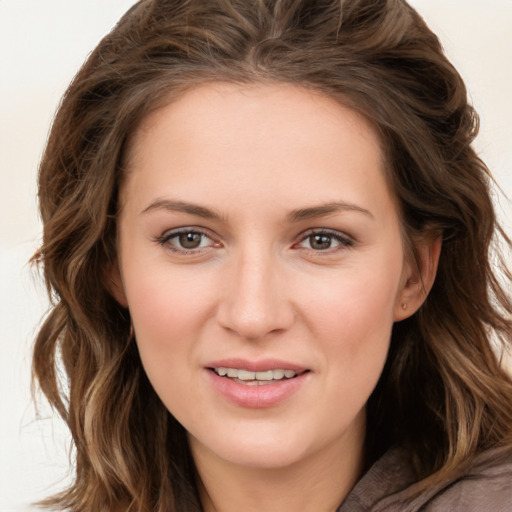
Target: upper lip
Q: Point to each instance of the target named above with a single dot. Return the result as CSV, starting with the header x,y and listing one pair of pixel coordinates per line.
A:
x,y
260,365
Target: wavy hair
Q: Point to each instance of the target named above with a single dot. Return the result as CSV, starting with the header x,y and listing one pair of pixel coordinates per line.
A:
x,y
443,393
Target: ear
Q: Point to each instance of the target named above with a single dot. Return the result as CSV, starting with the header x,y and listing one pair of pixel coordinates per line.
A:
x,y
419,275
114,284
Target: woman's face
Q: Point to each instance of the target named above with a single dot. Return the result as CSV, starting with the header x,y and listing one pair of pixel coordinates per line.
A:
x,y
258,240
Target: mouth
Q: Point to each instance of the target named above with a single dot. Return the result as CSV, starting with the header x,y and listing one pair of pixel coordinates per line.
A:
x,y
257,384
259,378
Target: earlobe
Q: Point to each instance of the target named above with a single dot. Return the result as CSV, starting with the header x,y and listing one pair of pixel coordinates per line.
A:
x,y
419,278
114,284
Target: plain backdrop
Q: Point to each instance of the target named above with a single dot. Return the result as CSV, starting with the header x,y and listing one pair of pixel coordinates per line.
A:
x,y
42,44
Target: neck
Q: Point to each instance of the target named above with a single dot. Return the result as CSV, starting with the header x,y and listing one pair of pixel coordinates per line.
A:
x,y
317,483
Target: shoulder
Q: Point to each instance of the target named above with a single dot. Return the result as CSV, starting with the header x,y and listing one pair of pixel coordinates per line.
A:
x,y
390,486
486,487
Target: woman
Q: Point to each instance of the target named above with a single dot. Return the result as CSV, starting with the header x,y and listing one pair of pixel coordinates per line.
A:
x,y
268,241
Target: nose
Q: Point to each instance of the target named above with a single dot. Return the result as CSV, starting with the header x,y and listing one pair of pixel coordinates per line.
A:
x,y
256,299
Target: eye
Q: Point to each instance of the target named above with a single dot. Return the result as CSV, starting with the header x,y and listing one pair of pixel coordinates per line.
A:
x,y
189,240
186,240
325,241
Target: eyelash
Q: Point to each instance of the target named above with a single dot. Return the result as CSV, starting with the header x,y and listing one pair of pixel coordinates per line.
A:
x,y
165,238
343,240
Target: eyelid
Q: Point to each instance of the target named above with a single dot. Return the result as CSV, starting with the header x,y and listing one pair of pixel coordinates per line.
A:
x,y
346,241
168,235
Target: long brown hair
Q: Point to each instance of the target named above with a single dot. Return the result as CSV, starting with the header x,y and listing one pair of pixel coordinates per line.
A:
x,y
443,393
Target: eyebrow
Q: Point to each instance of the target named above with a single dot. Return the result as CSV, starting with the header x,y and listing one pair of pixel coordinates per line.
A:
x,y
294,216
325,209
181,206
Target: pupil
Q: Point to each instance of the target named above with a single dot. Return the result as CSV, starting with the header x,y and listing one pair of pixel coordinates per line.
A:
x,y
190,240
321,242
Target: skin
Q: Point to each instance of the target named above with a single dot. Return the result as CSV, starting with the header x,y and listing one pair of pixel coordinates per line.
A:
x,y
261,159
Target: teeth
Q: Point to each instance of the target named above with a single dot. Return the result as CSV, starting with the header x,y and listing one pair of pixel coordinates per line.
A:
x,y
246,375
268,375
243,374
279,374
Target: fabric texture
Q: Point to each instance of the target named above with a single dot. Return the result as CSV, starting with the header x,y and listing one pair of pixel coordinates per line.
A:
x,y
389,486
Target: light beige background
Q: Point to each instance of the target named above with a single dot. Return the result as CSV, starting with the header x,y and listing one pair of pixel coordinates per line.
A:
x,y
42,44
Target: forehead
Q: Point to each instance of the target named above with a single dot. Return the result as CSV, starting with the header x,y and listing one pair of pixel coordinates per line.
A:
x,y
254,139
265,110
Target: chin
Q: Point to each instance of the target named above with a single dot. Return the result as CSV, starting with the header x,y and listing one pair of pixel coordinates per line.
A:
x,y
266,455
261,448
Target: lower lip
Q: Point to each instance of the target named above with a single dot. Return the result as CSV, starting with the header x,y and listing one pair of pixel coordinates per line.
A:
x,y
259,396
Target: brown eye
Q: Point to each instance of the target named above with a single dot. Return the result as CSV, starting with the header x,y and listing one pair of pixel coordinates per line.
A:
x,y
320,242
190,240
326,241
186,241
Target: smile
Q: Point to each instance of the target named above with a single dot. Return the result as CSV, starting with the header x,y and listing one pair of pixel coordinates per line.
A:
x,y
254,378
257,389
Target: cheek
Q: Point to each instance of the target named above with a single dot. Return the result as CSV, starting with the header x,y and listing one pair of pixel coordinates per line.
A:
x,y
358,302
166,299
168,311
353,316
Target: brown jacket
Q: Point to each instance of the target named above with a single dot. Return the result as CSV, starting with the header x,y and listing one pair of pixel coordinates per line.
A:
x,y
389,486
